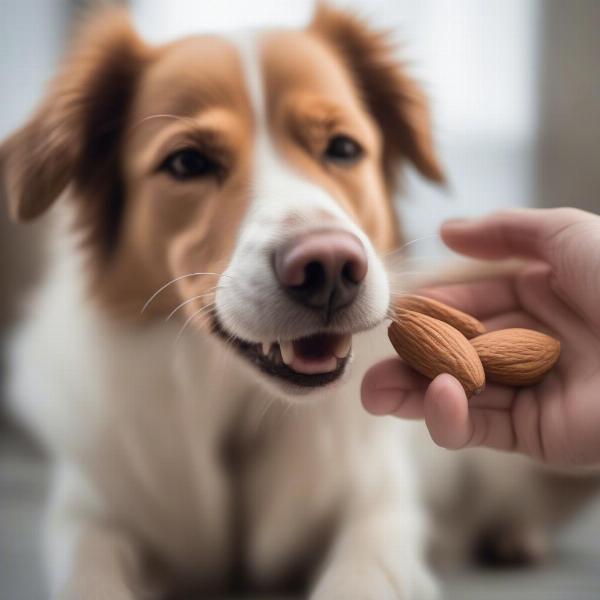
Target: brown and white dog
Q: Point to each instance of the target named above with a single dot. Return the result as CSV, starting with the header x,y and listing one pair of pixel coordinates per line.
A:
x,y
194,358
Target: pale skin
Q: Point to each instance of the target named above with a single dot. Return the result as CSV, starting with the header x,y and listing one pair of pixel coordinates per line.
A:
x,y
556,291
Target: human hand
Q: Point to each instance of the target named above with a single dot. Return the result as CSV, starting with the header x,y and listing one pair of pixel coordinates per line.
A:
x,y
558,292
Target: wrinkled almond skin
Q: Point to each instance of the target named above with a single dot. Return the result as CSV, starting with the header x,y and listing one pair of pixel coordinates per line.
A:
x,y
516,356
432,347
469,326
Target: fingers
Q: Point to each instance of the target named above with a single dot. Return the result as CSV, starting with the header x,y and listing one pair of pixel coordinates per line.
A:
x,y
453,424
525,300
517,318
391,387
482,299
530,233
446,412
538,298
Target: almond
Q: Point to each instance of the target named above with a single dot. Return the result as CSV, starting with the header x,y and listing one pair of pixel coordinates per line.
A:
x,y
469,326
432,347
516,356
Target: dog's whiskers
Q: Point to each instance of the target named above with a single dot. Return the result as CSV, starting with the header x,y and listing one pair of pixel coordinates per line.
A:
x,y
205,311
210,291
184,119
175,280
290,407
409,259
263,413
223,355
409,243
403,273
228,342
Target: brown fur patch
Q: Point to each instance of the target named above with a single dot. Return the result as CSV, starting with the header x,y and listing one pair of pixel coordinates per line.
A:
x,y
74,132
95,131
193,96
393,98
311,98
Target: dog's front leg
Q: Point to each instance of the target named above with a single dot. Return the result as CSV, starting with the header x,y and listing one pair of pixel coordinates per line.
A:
x,y
87,556
100,563
378,555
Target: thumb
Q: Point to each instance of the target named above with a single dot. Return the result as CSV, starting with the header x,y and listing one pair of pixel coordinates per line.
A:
x,y
527,233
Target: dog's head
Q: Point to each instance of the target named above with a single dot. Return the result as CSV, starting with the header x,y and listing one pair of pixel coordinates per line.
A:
x,y
251,173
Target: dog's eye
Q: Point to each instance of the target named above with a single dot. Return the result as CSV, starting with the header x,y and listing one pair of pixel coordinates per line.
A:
x,y
343,149
189,163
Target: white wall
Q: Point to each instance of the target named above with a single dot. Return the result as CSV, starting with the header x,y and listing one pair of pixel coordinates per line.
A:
x,y
161,21
31,35
569,141
31,38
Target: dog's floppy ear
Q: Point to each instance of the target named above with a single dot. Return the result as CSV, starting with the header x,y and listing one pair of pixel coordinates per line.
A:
x,y
393,98
72,134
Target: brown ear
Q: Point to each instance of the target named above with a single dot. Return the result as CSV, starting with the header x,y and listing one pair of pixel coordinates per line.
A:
x,y
395,100
72,134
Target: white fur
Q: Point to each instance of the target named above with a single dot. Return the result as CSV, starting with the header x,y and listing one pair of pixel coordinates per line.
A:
x,y
278,193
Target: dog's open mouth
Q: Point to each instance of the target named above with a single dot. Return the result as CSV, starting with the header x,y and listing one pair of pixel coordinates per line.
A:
x,y
311,361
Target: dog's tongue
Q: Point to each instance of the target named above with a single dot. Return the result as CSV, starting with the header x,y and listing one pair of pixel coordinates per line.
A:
x,y
315,354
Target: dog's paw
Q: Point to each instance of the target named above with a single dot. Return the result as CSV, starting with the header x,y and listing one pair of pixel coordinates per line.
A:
x,y
356,581
512,546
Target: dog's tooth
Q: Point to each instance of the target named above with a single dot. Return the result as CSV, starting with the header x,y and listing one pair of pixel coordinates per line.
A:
x,y
343,346
287,352
266,348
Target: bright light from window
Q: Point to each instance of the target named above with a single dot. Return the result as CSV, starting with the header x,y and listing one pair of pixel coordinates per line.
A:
x,y
162,21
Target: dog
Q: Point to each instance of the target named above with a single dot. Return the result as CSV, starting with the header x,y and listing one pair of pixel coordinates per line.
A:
x,y
215,292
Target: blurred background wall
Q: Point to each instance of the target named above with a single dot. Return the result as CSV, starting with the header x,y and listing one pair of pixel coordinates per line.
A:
x,y
514,85
568,132
32,33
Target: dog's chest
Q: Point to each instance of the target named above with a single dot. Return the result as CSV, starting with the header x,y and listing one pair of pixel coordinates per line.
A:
x,y
146,420
159,459
269,505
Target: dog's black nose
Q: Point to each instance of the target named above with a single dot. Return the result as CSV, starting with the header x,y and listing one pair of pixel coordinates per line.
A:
x,y
322,270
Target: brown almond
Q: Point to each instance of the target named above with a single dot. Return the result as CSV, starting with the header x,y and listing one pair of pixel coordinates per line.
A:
x,y
469,326
432,347
516,356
